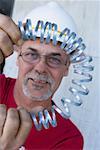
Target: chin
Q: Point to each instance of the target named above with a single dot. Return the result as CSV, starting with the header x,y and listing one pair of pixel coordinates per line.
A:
x,y
37,95
37,91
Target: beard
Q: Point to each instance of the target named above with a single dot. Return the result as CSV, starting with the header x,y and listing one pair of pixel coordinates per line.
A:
x,y
38,87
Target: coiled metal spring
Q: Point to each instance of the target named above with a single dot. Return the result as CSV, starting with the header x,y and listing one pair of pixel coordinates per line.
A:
x,y
44,119
49,31
82,69
74,47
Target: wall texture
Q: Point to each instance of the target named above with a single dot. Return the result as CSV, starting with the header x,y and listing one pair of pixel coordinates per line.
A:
x,y
86,13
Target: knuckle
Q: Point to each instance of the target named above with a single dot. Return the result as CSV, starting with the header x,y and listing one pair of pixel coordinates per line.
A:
x,y
12,110
2,110
2,116
13,115
16,38
3,37
25,117
13,119
5,44
10,27
2,105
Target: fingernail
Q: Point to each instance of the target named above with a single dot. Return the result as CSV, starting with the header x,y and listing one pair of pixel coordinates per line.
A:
x,y
20,107
20,42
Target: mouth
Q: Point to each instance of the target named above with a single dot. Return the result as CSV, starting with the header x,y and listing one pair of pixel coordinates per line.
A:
x,y
37,88
38,83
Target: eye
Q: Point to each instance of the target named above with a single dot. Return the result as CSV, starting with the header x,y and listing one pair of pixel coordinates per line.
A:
x,y
54,60
31,55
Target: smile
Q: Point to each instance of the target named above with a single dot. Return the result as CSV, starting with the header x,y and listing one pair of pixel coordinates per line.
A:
x,y
38,83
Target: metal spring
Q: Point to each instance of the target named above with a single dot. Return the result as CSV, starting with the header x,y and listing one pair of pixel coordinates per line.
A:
x,y
82,69
49,31
44,119
74,47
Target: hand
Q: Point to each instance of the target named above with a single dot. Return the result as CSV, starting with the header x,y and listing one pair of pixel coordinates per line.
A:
x,y
15,125
9,35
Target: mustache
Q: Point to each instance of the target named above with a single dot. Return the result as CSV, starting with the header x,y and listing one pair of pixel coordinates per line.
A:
x,y
39,77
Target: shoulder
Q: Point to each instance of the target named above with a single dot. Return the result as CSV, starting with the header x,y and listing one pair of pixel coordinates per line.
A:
x,y
4,80
2,76
6,84
71,134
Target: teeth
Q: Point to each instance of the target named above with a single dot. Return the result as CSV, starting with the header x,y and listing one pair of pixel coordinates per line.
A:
x,y
40,81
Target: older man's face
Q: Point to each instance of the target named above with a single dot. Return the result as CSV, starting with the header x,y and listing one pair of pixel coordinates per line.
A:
x,y
41,69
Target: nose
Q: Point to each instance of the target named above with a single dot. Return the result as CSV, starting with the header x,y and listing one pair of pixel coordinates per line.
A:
x,y
41,67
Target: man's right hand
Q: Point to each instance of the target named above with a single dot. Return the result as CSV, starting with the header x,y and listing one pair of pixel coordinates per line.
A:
x,y
9,35
15,125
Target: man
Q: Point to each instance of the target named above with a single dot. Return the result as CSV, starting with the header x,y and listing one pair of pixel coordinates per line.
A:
x,y
41,69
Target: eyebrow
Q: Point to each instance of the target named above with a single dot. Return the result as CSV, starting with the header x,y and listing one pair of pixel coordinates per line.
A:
x,y
52,53
32,49
55,54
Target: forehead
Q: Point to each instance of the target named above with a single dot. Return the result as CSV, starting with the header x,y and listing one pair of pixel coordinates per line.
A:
x,y
43,47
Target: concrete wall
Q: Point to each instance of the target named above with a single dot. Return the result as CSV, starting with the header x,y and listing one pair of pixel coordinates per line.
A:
x,y
87,16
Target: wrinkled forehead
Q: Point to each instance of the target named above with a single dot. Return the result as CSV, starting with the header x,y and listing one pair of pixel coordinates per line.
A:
x,y
42,48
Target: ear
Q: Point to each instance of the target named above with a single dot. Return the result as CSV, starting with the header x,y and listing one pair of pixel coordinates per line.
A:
x,y
66,72
67,69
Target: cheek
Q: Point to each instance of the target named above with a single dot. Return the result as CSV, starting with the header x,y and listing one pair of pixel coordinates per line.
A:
x,y
57,76
24,68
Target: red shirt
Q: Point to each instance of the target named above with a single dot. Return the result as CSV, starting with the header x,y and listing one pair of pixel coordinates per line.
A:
x,y
65,136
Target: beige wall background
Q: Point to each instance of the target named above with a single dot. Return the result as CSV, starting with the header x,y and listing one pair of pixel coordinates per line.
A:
x,y
86,14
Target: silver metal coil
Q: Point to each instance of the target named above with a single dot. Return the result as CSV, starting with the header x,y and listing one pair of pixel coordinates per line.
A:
x,y
73,46
82,69
49,31
44,119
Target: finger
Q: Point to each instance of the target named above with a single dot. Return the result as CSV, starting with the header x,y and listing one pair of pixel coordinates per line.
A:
x,y
11,125
2,117
1,57
5,44
25,127
7,24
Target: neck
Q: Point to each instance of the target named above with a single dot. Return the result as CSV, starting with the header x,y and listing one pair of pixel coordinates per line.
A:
x,y
29,105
